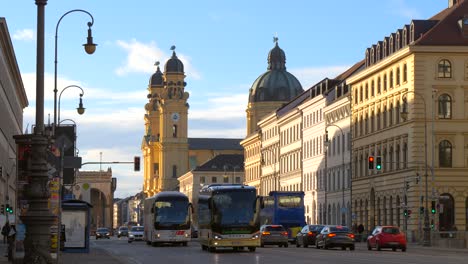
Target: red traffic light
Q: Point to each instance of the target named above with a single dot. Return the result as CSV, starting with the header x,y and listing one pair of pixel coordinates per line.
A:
x,y
371,162
136,163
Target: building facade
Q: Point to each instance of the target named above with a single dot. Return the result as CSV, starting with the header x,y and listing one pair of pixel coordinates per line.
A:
x,y
13,100
405,110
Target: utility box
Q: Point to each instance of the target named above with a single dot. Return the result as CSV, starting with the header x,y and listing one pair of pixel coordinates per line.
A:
x,y
76,219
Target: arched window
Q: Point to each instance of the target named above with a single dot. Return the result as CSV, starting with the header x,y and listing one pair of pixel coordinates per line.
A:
x,y
397,114
447,216
397,157
390,155
174,171
356,127
405,156
398,76
390,115
372,122
385,82
411,36
372,91
367,91
379,84
445,154
385,48
445,106
391,79
444,69
174,130
361,126
384,113
361,94
356,96
405,73
366,124
378,119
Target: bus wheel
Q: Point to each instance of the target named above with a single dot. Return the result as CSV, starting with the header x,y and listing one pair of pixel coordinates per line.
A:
x,y
252,249
203,247
212,249
148,242
154,244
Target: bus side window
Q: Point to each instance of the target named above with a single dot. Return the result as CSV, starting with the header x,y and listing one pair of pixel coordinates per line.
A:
x,y
152,210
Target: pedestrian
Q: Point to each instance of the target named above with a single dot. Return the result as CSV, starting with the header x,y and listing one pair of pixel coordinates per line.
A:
x,y
360,230
11,242
5,231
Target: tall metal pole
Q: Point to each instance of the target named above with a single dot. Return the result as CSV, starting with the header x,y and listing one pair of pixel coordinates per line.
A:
x,y
427,228
38,218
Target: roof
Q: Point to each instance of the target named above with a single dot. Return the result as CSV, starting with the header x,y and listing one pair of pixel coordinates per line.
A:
x,y
223,162
353,69
215,143
446,31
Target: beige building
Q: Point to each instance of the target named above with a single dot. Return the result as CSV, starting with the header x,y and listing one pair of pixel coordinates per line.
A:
x,y
13,100
420,70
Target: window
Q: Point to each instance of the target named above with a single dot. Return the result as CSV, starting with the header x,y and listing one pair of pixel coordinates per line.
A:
x,y
445,154
356,96
174,130
361,95
391,79
445,106
385,82
444,69
384,113
174,171
214,180
202,179
405,73
372,88
378,120
372,128
390,115
225,179
367,91
405,156
397,114
379,83
238,180
398,76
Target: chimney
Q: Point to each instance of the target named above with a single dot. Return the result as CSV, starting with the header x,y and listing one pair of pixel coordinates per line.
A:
x,y
452,3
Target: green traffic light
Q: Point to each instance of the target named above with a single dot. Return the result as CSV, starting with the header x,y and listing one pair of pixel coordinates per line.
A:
x,y
433,211
378,167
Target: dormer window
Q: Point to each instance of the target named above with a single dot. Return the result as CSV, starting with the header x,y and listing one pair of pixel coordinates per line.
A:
x,y
404,41
391,45
397,42
411,36
463,24
444,69
378,53
385,48
372,58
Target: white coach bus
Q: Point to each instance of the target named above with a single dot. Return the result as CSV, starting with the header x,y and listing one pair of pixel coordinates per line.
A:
x,y
167,219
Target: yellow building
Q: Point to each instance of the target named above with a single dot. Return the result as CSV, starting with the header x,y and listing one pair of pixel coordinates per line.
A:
x,y
420,71
167,151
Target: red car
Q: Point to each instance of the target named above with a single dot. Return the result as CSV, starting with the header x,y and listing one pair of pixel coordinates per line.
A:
x,y
387,237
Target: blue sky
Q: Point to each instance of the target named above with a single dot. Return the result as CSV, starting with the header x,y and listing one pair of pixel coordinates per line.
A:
x,y
224,47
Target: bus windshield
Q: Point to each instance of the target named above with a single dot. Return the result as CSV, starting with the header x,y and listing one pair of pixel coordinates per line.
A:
x,y
171,214
234,208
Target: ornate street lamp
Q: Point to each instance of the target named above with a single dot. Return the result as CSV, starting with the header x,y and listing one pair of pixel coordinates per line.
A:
x,y
90,48
80,109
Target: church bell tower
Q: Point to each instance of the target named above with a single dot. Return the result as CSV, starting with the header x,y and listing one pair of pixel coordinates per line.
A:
x,y
165,145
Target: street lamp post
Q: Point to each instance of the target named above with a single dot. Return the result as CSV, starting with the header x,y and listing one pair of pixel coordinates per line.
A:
x,y
89,47
343,215
80,109
404,115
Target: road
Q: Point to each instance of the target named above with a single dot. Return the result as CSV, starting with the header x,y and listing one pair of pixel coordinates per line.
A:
x,y
140,253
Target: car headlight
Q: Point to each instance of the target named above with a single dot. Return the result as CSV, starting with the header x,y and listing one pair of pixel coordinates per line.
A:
x,y
217,237
255,236
130,235
108,234
158,235
186,235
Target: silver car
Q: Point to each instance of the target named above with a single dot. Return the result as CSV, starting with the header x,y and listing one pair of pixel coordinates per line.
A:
x,y
273,235
136,233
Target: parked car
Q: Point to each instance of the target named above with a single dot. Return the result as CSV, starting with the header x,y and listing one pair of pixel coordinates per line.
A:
x,y
136,233
273,235
123,231
335,236
307,235
387,237
102,232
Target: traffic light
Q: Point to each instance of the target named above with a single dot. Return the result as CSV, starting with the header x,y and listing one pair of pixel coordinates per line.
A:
x,y
378,160
9,209
409,213
432,224
405,212
136,163
433,207
371,162
2,211
421,210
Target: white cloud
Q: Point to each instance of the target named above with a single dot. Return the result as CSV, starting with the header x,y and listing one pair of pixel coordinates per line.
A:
x,y
221,108
24,34
221,133
142,57
401,8
311,75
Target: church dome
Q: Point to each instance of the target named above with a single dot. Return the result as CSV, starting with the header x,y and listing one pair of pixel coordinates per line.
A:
x,y
276,84
174,64
156,79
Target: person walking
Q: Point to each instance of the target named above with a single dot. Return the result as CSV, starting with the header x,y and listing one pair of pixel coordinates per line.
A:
x,y
11,242
5,231
360,231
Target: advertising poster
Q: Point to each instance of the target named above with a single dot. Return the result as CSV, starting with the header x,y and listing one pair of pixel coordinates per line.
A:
x,y
75,227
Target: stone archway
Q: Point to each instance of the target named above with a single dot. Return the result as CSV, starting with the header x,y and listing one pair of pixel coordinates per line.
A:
x,y
446,212
97,188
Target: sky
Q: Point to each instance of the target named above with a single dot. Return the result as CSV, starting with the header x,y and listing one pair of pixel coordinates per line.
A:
x,y
223,44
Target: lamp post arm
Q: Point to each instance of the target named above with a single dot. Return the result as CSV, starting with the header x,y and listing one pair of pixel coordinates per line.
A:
x,y
60,96
55,57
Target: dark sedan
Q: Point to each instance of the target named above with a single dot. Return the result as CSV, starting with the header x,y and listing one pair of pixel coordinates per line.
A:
x,y
335,236
307,235
103,232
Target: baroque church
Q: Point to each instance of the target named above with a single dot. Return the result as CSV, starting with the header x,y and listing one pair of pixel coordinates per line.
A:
x,y
167,151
